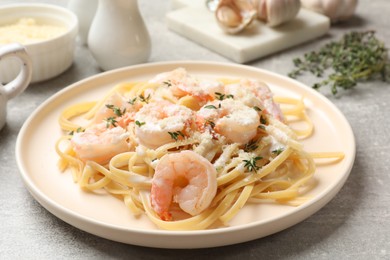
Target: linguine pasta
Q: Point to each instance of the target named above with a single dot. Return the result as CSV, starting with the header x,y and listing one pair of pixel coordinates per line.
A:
x,y
125,144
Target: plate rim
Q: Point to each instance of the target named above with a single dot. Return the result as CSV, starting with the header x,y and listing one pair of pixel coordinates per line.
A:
x,y
99,228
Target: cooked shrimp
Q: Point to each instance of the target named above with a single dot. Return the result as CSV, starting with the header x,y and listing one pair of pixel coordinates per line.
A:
x,y
155,122
230,118
182,84
248,91
99,143
185,178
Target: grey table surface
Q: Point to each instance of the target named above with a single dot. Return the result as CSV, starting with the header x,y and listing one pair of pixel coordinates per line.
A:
x,y
354,225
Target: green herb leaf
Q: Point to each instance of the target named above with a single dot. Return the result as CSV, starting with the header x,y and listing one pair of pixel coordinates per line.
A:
x,y
111,121
210,107
168,83
251,146
278,151
144,99
257,108
251,164
132,101
117,111
357,57
139,124
221,96
175,135
263,120
78,130
210,123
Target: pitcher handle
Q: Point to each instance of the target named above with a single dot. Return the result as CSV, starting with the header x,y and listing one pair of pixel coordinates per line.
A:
x,y
20,83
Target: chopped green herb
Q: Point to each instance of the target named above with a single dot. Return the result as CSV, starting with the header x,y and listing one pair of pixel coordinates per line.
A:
x,y
117,110
210,107
132,101
168,83
139,124
251,146
210,123
221,96
278,151
78,130
111,121
175,135
357,57
257,108
144,99
263,120
251,164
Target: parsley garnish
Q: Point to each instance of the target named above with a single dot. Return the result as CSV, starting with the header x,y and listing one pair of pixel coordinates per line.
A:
x,y
257,108
175,135
251,164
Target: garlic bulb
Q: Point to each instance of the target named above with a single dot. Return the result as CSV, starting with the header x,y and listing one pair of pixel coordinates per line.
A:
x,y
276,12
336,10
234,15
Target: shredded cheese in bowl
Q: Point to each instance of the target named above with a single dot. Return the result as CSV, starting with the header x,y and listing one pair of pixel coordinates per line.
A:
x,y
28,30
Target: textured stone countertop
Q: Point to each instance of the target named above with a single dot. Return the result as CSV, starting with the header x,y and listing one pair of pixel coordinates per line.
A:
x,y
355,224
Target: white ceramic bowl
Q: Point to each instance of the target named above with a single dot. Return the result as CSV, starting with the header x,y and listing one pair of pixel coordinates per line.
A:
x,y
50,57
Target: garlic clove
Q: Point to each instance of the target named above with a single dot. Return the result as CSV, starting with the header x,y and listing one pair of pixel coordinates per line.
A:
x,y
277,12
233,16
336,10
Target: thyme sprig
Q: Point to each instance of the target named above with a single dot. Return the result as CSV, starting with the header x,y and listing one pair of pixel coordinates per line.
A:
x,y
278,151
221,96
117,111
111,121
144,99
78,130
132,101
251,146
167,83
175,135
356,57
251,164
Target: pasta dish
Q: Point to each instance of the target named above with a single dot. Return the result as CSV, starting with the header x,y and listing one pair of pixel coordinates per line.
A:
x,y
189,152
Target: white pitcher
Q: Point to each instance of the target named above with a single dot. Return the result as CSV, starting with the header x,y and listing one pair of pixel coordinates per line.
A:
x,y
17,85
118,36
85,11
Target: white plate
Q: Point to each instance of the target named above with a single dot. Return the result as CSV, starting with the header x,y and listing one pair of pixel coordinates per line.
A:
x,y
108,217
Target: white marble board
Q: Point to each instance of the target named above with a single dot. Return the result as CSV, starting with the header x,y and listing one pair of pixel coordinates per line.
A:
x,y
194,21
